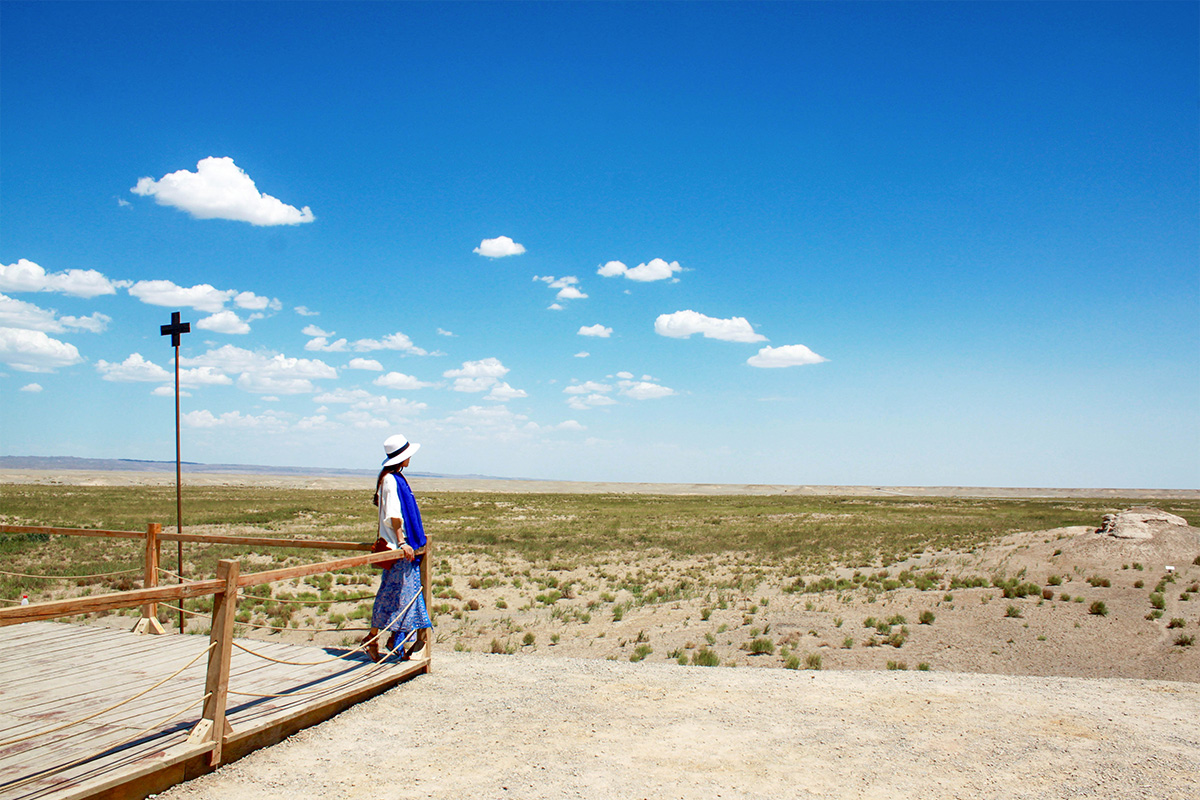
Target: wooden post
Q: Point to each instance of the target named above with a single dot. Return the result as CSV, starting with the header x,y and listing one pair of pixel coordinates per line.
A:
x,y
149,622
424,636
221,637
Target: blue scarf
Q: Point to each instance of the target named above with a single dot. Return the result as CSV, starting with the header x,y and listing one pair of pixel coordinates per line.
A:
x,y
414,530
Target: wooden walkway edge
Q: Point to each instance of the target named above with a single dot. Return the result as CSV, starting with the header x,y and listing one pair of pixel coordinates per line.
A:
x,y
52,674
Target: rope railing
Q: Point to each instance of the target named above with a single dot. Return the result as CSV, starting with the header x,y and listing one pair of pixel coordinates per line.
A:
x,y
70,577
278,628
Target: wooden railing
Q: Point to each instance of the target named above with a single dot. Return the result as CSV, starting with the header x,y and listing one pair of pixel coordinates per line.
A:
x,y
224,588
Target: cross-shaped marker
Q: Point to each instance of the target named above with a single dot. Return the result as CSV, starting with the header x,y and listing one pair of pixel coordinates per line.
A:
x,y
175,328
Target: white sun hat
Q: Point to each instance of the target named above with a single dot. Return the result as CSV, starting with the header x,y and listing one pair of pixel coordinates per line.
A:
x,y
397,448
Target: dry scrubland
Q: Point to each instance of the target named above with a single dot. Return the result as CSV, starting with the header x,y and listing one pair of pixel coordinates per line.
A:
x,y
564,618
967,584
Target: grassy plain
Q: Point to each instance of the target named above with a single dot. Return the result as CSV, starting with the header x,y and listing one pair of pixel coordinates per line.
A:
x,y
762,580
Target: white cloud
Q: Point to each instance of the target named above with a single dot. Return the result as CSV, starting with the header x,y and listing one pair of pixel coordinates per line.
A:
x,y
477,376
34,351
494,423
93,323
499,247
568,286
394,341
253,302
625,375
304,312
201,297
554,307
168,390
683,324
644,390
789,355
502,392
441,332
313,330
31,387
585,402
654,270
233,419
365,363
16,313
134,368
570,425
612,269
219,189
26,276
400,381
596,330
582,354
587,387
224,322
323,345
265,373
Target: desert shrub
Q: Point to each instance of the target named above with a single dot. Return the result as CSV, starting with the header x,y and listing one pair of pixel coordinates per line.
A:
x,y
497,646
762,647
1047,593
1158,601
1012,588
1098,608
927,617
870,622
812,661
640,652
793,662
1099,580
705,658
1155,614
848,642
1054,580
529,639
473,604
897,619
897,665
1184,640
898,638
1012,611
1196,561
1064,597
1176,622
923,666
1139,583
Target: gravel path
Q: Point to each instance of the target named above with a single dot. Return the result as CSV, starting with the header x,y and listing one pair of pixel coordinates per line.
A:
x,y
494,726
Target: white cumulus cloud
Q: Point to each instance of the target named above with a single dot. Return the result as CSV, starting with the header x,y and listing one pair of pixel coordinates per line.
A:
x,y
31,387
26,276
477,376
323,345
220,189
365,363
683,324
595,330
234,419
305,312
224,322
587,387
394,341
656,269
134,368
400,381
201,297
502,392
789,355
499,247
34,351
264,372
644,390
253,302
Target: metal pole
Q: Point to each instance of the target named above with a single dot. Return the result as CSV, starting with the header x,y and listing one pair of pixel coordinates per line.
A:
x,y
178,493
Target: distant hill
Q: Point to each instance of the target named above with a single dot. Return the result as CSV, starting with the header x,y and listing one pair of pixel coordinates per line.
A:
x,y
137,465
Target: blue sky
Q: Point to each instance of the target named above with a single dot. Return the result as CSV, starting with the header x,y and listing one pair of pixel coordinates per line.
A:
x,y
893,244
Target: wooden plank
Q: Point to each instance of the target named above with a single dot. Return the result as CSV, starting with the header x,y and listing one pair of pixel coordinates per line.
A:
x,y
104,602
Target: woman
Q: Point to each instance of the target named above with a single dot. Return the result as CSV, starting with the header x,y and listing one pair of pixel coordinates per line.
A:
x,y
400,603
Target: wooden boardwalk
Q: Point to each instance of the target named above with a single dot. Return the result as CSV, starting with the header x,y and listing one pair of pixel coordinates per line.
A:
x,y
54,673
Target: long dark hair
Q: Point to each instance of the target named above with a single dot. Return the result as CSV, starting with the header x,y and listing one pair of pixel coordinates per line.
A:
x,y
379,480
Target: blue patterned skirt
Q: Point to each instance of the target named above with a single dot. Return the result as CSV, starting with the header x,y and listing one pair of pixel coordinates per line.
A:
x,y
400,584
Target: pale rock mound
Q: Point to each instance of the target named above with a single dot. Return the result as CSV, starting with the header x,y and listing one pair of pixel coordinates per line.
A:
x,y
1139,523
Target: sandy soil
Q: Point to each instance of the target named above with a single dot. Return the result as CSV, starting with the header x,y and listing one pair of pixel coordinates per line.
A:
x,y
484,726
